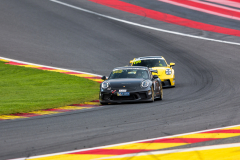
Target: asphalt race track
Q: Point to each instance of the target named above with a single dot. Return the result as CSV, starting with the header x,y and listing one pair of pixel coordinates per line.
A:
x,y
207,88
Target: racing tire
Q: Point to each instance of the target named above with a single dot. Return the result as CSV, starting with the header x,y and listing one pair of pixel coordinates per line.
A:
x,y
103,103
161,92
152,94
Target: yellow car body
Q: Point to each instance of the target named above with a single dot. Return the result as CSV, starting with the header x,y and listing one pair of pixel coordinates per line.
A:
x,y
165,71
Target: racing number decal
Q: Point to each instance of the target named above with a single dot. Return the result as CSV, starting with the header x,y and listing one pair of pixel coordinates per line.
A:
x,y
117,71
136,62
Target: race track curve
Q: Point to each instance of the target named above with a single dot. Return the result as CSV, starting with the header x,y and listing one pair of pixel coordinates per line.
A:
x,y
207,88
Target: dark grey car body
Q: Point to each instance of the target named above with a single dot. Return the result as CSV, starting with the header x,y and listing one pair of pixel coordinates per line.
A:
x,y
130,89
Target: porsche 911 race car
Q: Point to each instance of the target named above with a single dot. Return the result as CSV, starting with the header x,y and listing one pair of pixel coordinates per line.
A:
x,y
130,84
165,70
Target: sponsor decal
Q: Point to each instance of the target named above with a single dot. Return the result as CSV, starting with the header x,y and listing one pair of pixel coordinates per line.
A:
x,y
136,62
122,90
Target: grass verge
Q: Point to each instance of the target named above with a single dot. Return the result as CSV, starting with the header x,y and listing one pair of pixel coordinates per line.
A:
x,y
26,89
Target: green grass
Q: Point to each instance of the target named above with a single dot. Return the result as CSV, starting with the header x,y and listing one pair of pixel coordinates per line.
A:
x,y
26,89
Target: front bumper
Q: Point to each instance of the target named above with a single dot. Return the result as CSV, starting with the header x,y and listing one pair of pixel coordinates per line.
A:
x,y
168,82
141,96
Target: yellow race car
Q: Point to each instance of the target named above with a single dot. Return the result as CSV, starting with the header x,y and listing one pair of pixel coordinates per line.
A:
x,y
165,70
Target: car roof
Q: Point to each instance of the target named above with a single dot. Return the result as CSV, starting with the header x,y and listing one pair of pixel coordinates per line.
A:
x,y
132,67
149,57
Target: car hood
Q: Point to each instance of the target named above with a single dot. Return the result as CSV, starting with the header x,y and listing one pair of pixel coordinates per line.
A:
x,y
125,83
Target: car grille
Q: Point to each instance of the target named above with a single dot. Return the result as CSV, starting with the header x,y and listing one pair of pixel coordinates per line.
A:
x,y
133,96
106,96
143,95
166,83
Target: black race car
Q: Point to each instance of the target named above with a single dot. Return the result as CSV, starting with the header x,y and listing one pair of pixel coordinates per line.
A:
x,y
130,84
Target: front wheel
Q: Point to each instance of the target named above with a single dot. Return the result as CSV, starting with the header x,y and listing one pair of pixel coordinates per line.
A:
x,y
160,92
152,94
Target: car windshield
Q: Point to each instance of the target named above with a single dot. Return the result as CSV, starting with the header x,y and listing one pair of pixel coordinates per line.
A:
x,y
128,73
150,63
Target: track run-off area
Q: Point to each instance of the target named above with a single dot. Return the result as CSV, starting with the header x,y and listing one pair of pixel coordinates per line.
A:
x,y
198,119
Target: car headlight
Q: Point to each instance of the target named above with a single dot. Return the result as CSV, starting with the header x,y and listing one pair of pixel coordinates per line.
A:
x,y
105,85
144,84
168,71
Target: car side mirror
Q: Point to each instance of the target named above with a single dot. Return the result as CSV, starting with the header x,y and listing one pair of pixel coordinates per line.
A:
x,y
153,71
172,64
104,78
155,76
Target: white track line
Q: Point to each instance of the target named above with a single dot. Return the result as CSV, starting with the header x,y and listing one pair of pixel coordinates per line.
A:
x,y
143,26
49,66
158,138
